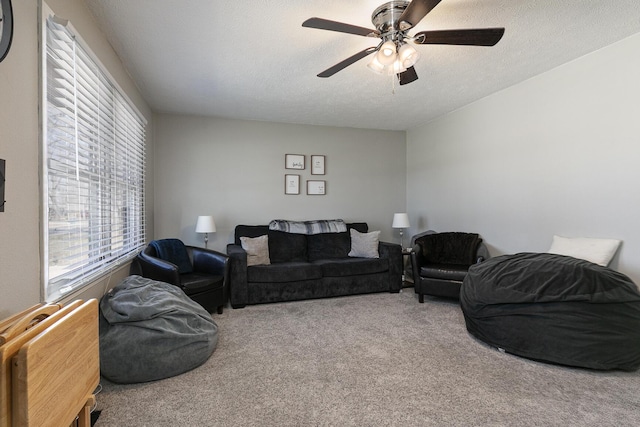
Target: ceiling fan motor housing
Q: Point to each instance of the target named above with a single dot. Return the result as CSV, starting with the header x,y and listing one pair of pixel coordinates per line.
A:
x,y
385,17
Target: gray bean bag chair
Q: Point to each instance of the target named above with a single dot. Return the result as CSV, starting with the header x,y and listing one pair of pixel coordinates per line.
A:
x,y
554,308
151,330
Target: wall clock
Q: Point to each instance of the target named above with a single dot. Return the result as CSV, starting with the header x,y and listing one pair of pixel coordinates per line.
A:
x,y
6,27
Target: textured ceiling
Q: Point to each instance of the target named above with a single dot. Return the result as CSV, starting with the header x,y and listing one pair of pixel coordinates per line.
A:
x,y
254,60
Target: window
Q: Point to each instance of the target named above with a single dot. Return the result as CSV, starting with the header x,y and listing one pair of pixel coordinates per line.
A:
x,y
93,166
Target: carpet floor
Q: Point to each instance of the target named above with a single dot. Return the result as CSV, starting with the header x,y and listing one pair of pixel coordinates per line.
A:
x,y
368,360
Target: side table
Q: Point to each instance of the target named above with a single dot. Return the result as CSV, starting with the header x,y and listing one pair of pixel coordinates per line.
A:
x,y
407,279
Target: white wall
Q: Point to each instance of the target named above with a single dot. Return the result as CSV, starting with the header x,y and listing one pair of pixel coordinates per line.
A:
x,y
234,170
557,154
20,252
19,223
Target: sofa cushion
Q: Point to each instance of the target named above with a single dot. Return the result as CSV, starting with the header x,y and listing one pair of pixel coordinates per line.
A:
x,y
283,272
287,247
332,245
328,246
352,266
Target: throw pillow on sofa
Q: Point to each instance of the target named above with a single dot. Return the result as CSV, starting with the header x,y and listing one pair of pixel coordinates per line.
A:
x,y
257,250
364,245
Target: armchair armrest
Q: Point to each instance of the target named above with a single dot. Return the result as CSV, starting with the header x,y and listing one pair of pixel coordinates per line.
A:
x,y
209,261
238,289
157,269
416,261
482,254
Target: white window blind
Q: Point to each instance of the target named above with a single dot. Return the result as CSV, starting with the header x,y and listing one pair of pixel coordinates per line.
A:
x,y
94,164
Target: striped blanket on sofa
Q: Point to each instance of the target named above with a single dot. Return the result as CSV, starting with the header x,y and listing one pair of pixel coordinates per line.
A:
x,y
309,227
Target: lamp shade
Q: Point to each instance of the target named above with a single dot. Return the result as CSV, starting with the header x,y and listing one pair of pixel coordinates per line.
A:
x,y
408,55
400,220
205,224
387,53
375,65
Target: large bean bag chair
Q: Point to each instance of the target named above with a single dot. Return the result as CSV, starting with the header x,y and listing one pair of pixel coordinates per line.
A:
x,y
151,330
554,308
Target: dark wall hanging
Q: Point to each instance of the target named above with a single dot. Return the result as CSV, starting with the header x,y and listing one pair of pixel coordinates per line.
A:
x,y
6,26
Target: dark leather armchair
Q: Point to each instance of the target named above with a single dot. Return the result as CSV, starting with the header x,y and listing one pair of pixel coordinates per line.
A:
x,y
440,262
202,274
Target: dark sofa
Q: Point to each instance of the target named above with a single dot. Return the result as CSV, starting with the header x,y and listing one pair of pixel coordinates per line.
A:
x,y
309,266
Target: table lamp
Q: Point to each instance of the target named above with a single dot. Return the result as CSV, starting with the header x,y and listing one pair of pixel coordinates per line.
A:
x,y
401,221
205,225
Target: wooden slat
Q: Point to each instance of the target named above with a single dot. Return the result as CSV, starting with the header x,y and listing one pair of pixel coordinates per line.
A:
x,y
55,372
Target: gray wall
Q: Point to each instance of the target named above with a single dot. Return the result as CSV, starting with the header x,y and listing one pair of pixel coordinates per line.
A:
x,y
234,170
20,252
557,154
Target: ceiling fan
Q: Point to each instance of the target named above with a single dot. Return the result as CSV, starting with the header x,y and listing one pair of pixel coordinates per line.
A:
x,y
395,53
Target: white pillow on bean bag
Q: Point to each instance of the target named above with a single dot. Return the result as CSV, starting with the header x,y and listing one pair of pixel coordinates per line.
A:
x,y
598,251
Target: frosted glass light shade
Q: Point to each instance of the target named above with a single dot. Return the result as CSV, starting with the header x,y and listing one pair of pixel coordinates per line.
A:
x,y
387,53
400,220
408,55
398,67
205,224
375,65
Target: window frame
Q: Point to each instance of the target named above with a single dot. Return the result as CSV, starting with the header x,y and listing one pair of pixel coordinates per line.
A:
x,y
120,199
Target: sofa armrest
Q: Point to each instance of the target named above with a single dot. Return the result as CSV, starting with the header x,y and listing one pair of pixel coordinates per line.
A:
x,y
238,289
393,252
158,269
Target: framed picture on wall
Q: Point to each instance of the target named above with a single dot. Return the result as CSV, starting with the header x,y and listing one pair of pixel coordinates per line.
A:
x,y
316,188
292,184
317,165
294,161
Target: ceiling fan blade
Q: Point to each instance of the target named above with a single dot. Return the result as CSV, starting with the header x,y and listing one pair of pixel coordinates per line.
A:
x,y
325,24
344,64
470,37
408,76
414,13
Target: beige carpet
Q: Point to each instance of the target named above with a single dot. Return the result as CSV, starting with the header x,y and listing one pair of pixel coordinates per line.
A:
x,y
370,360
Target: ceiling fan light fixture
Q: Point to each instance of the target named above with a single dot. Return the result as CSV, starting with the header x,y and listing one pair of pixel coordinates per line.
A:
x,y
387,53
375,65
398,67
408,55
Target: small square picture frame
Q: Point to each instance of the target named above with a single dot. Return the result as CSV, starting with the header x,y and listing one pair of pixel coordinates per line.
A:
x,y
317,164
291,184
294,161
316,187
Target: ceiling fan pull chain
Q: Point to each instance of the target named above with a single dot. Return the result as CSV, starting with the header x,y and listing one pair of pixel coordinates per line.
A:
x,y
393,83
